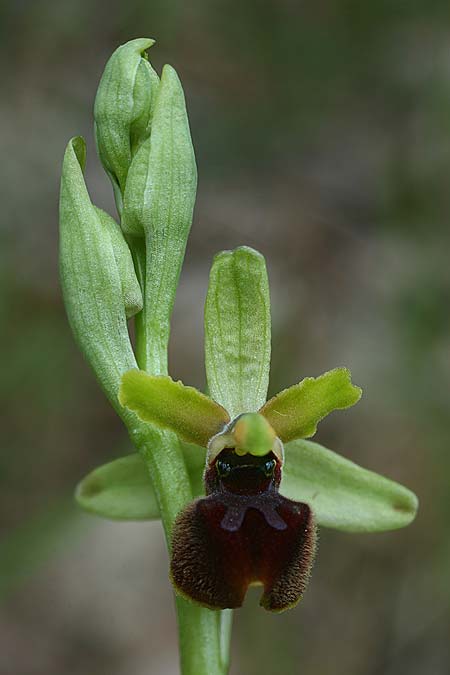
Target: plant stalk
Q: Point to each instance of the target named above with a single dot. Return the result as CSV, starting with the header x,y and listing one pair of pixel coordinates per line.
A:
x,y
204,635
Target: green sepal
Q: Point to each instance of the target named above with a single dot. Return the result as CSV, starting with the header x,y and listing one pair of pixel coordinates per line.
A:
x,y
343,495
90,279
123,108
131,291
237,330
295,412
194,417
122,489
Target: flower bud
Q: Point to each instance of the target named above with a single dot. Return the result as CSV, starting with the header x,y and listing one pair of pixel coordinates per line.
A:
x,y
162,181
123,110
131,291
158,206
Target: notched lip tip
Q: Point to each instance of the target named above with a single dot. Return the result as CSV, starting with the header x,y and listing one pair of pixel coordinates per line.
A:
x,y
197,603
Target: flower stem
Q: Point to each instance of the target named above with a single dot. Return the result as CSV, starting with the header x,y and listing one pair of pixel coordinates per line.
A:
x,y
200,640
226,625
204,635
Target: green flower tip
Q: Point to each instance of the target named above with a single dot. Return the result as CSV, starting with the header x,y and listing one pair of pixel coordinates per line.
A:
x,y
123,110
253,435
77,145
240,252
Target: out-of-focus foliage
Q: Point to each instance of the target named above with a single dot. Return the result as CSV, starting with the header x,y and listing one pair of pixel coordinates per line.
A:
x,y
322,134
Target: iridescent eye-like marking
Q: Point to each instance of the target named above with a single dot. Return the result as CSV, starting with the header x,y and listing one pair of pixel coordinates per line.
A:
x,y
269,467
243,532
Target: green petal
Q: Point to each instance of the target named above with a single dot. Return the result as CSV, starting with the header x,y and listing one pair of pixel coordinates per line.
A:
x,y
194,417
91,280
342,494
237,330
123,490
295,412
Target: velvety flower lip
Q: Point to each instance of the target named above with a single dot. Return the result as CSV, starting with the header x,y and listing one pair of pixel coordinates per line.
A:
x,y
240,535
244,531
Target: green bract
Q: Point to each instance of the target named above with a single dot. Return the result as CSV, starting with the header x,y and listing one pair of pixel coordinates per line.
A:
x,y
93,281
157,215
163,173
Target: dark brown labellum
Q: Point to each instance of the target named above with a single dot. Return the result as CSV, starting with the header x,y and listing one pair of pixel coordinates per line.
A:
x,y
244,532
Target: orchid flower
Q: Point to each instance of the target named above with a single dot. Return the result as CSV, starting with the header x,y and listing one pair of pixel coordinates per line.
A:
x,y
238,489
248,529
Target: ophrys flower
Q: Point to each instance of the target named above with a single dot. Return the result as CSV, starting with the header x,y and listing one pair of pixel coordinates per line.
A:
x,y
244,531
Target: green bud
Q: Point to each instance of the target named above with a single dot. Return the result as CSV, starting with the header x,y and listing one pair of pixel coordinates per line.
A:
x,y
158,206
123,109
144,95
91,280
131,291
162,182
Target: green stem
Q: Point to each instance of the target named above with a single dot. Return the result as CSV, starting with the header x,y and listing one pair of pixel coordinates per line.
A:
x,y
204,635
225,627
153,322
199,640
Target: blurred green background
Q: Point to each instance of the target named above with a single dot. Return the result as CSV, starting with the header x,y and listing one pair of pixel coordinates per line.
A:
x,y
322,133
